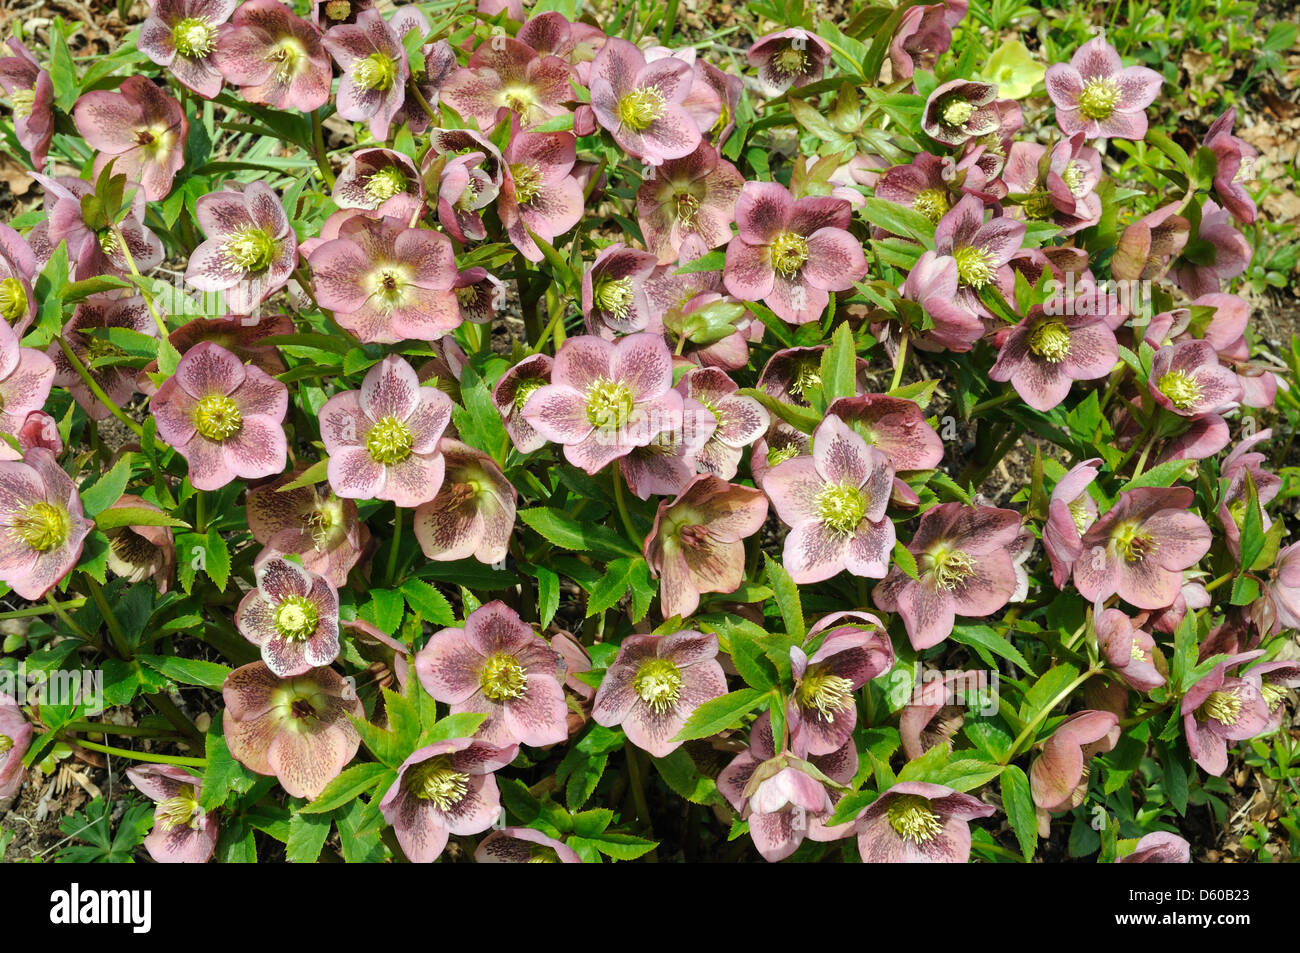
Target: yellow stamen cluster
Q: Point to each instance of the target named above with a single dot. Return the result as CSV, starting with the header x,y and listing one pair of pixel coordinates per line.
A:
x,y
932,203
296,618
609,403
385,183
378,71
217,417
828,694
641,107
437,781
194,38
502,677
528,182
180,810
913,818
389,441
1223,707
659,684
42,526
789,251
1099,97
948,566
975,266
1181,388
614,296
251,249
1050,340
841,506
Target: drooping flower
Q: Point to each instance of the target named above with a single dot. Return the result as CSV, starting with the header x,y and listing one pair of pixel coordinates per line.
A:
x,y
834,502
783,796
740,420
1241,462
251,248
923,34
383,439
1129,650
474,511
26,376
1140,546
1058,778
182,36
96,352
1279,605
791,253
982,250
224,417
373,176
140,552
918,823
1060,186
670,461
506,76
296,729
1070,511
1221,708
140,129
1146,246
654,685
932,283
42,525
605,398
15,739
320,528
499,666
292,616
183,832
614,300
93,246
1275,678
965,556
539,194
1235,164
465,188
788,58
274,57
523,845
31,91
855,649
1218,253
641,104
686,207
374,65
444,788
937,709
1045,354
511,394
39,429
1160,847
696,544
1094,93
960,110
327,13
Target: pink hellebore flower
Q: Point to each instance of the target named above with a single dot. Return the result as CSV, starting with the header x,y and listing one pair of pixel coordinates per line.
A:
x,y
937,709
670,461
1129,650
687,206
1045,354
1094,94
788,58
42,525
1187,379
894,425
17,269
1275,679
1061,189
1279,606
640,103
292,615
383,439
15,739
523,845
739,420
1221,708
982,250
251,248
182,36
654,685
373,176
614,300
1235,165
374,65
296,729
932,283
499,666
1159,847
26,376
319,528
92,251
834,502
137,553
966,558
697,542
822,713
474,511
1058,778
961,110
791,253
183,833
1139,548
918,823
31,91
444,788
505,76
139,128
274,57
511,394
540,194
224,417
118,381
606,398
1070,511
923,34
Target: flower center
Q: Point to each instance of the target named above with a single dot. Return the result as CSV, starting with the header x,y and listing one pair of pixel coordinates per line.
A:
x,y
975,266
949,567
378,71
107,241
609,403
789,252
217,417
180,810
518,99
827,693
528,182
5,743
1073,177
525,389
1038,206
13,299
285,57
913,818
43,526
1136,653
1079,513
957,112
252,249
385,183
389,441
338,10
658,683
502,677
389,287
1132,544
790,61
806,375
1272,693
932,203
1223,707
1099,97
614,296
296,618
781,454
24,101
841,506
194,38
1181,388
639,108
1050,340
437,781
688,207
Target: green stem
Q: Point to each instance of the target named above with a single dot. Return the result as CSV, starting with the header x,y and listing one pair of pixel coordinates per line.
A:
x,y
32,611
146,756
144,292
396,544
555,319
318,148
638,792
167,708
620,499
95,389
1211,586
1047,710
66,619
110,620
899,363
200,512
106,728
1004,398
